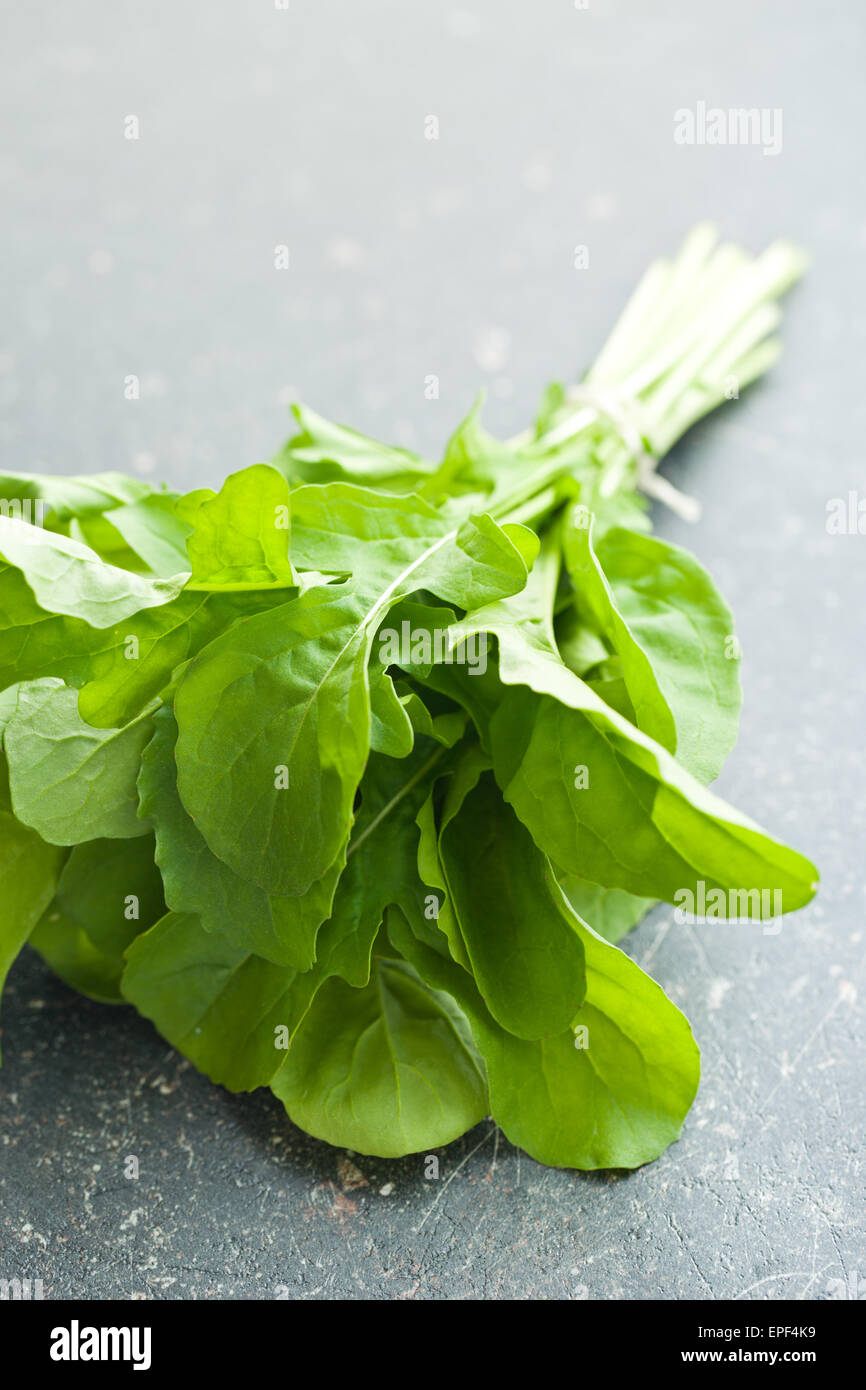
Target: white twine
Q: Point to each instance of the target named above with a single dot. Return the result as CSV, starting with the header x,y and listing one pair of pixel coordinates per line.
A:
x,y
625,416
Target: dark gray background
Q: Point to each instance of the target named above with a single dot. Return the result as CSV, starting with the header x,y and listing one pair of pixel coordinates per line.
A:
x,y
455,257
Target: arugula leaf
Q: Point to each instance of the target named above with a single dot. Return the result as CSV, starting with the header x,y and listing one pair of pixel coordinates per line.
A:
x,y
8,702
391,728
612,912
273,722
119,669
396,545
240,535
34,643
524,953
619,1100
662,615
471,764
224,1007
645,825
579,646
108,892
67,949
67,498
381,864
475,462
600,797
153,530
280,929
67,577
28,872
389,1069
295,680
322,452
446,727
134,663
478,693
99,535
69,781
220,1005
113,890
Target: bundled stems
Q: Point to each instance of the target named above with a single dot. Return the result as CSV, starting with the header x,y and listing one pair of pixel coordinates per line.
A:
x,y
694,332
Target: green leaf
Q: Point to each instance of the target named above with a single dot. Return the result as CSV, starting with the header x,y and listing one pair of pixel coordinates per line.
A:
x,y
69,781
609,911
99,535
119,669
222,1007
34,643
663,616
398,713
460,682
382,862
447,727
226,1008
109,892
152,529
618,1099
240,535
525,955
597,605
112,890
135,661
396,545
471,765
280,929
289,688
387,1070
69,578
322,452
475,462
68,951
220,1004
273,721
65,498
604,800
642,823
28,873
391,728
8,703
580,648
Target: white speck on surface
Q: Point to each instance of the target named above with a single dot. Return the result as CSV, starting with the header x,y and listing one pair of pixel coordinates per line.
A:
x,y
716,993
345,252
100,262
538,173
445,201
491,348
463,24
600,207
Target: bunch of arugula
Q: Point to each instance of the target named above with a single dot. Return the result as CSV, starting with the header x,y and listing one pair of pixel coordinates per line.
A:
x,y
384,883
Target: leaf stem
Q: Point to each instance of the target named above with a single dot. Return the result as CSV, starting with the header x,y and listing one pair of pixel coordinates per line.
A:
x,y
395,801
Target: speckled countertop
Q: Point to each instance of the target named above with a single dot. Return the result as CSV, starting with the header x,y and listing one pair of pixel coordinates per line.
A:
x,y
260,127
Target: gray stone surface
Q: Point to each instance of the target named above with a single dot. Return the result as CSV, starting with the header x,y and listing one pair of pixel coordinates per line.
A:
x,y
305,127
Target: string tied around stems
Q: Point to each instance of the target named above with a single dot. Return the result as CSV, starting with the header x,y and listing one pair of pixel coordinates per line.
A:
x,y
624,413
